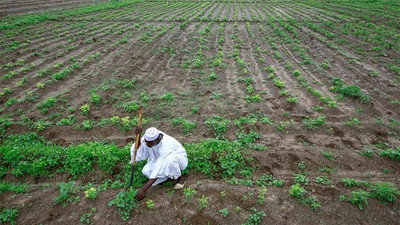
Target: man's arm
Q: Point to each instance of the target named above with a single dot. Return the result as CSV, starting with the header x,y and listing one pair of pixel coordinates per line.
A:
x,y
142,192
140,153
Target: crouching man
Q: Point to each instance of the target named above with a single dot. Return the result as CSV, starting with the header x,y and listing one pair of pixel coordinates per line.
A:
x,y
166,159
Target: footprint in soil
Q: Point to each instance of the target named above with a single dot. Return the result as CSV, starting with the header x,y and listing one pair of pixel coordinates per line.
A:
x,y
303,139
200,220
337,132
331,192
293,161
348,143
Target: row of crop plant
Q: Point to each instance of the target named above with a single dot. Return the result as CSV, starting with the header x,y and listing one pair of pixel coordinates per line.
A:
x,y
67,70
362,11
340,47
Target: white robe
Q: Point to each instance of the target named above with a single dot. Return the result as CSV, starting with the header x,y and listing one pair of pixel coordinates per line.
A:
x,y
165,160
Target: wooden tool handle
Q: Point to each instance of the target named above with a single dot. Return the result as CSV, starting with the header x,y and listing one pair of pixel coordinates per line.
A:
x,y
137,137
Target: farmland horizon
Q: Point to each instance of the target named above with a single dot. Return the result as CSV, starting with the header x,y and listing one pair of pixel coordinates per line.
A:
x,y
289,110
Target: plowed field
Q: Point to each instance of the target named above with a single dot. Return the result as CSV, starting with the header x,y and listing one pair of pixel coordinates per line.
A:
x,y
313,85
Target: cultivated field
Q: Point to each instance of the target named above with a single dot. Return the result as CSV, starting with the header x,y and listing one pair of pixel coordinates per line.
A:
x,y
289,110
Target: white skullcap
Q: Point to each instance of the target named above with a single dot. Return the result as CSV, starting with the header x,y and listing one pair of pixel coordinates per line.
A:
x,y
151,134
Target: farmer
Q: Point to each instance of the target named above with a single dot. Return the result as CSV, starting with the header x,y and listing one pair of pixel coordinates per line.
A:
x,y
166,159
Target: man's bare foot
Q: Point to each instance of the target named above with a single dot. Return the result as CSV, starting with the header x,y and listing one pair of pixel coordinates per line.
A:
x,y
180,183
180,180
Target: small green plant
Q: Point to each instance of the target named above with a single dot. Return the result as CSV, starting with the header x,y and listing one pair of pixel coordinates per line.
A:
x,y
168,97
57,65
87,124
284,92
91,193
48,103
384,192
359,198
293,100
7,90
301,165
278,183
21,82
115,120
279,83
8,215
150,204
95,98
318,108
189,192
125,202
71,109
301,179
322,180
256,217
250,89
126,123
313,202
253,98
224,212
261,195
277,55
128,84
351,90
284,125
66,190
195,110
296,73
86,218
218,124
12,187
238,209
325,65
126,95
368,152
213,76
223,194
353,122
203,202
186,125
312,123
327,169
144,97
329,155
130,106
392,153
85,109
267,180
42,125
271,69
297,191
40,85
374,73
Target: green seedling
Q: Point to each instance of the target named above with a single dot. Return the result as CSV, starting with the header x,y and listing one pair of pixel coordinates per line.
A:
x,y
203,202
189,192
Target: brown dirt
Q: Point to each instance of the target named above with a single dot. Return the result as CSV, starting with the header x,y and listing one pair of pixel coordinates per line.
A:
x,y
158,67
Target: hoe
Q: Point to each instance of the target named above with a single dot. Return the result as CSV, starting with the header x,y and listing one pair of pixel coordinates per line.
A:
x,y
136,148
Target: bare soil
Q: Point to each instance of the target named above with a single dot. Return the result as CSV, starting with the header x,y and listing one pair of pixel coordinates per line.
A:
x,y
158,67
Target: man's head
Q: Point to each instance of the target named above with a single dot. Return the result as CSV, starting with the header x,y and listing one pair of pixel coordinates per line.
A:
x,y
152,137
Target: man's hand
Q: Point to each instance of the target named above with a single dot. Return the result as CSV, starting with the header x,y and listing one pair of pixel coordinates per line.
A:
x,y
140,195
138,130
142,192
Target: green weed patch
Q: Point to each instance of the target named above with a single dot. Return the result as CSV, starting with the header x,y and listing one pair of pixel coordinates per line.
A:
x,y
29,154
215,157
